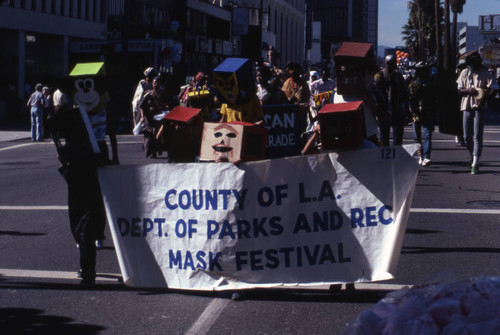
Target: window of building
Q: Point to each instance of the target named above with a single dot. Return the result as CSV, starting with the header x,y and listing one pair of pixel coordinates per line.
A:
x,y
275,21
79,9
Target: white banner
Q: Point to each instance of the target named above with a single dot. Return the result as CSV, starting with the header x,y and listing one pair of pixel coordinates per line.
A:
x,y
298,221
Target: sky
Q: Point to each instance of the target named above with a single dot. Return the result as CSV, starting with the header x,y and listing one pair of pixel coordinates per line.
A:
x,y
393,15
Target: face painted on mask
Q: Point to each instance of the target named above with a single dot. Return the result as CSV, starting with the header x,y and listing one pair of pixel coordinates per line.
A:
x,y
85,94
224,135
227,86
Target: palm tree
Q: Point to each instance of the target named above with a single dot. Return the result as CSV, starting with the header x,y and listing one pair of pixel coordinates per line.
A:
x,y
446,49
457,7
437,24
419,32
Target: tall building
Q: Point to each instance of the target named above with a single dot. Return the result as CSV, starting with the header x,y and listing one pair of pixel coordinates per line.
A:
x,y
41,40
35,38
469,39
280,24
345,20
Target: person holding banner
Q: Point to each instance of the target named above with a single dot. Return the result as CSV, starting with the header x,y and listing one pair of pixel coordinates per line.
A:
x,y
323,84
323,89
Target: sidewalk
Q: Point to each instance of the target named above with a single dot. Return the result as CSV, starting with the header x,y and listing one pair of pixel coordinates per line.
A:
x,y
14,129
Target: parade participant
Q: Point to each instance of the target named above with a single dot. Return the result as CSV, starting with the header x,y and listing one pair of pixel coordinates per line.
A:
x,y
393,97
79,168
143,86
60,98
151,106
474,84
112,125
423,96
355,64
323,84
184,91
295,87
37,103
199,95
48,109
268,90
237,91
313,76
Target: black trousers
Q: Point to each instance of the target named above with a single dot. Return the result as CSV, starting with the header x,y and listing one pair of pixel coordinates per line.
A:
x,y
86,211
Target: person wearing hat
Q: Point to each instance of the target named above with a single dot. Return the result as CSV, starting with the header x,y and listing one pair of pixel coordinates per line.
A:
x,y
37,103
144,85
474,84
313,76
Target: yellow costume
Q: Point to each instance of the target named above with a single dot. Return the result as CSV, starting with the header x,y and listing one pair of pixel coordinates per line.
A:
x,y
248,112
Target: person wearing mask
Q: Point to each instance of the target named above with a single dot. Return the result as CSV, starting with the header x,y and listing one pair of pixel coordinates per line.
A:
x,y
474,84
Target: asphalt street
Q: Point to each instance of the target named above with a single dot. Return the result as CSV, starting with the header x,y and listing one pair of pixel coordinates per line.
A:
x,y
453,233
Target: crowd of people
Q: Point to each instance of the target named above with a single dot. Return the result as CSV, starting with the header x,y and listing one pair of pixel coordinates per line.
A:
x,y
390,101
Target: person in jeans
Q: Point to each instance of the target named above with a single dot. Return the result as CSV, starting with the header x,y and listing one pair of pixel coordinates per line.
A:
x,y
37,103
474,84
423,94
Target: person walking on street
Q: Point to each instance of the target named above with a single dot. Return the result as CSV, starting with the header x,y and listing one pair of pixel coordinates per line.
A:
x,y
37,103
393,94
143,86
474,84
424,94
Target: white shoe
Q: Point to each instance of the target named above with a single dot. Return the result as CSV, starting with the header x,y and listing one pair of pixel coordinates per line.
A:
x,y
99,245
420,161
426,162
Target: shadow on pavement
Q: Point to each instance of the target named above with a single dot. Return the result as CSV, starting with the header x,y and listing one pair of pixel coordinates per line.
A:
x,y
34,321
270,294
421,231
428,250
308,295
18,233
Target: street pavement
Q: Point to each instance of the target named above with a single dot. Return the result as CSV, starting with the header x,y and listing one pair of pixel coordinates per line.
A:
x,y
453,233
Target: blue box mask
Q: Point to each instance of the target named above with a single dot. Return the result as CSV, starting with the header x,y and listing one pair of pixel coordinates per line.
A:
x,y
234,80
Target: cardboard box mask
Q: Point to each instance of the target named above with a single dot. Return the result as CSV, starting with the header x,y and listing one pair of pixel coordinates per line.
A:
x,y
233,141
351,61
342,125
234,80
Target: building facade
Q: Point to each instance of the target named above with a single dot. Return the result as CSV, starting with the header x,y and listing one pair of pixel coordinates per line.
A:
x,y
345,20
36,38
469,39
43,39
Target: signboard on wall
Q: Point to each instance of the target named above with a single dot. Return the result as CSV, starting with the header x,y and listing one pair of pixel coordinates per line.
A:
x,y
240,21
489,23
